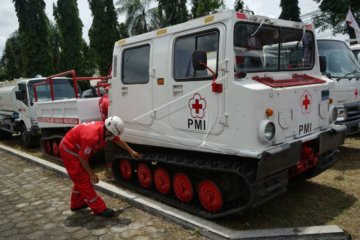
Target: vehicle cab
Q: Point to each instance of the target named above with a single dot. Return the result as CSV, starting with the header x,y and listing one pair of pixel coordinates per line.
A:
x,y
342,67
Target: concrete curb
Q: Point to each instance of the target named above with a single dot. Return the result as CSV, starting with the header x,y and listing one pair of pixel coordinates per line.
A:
x,y
205,227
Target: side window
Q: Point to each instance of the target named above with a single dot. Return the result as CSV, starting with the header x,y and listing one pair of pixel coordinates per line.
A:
x,y
135,65
183,50
22,87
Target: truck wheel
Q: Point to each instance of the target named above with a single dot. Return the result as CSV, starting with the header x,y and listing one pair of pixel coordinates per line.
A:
x,y
5,135
28,140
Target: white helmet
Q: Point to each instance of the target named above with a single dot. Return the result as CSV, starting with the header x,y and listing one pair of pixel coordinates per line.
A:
x,y
115,125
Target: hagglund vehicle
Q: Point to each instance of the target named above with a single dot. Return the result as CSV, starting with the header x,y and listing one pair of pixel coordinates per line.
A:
x,y
222,120
216,144
341,65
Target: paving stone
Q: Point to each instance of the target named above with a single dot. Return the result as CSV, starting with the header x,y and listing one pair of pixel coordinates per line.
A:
x,y
15,215
27,230
22,224
36,235
39,209
100,232
80,234
21,205
10,232
6,226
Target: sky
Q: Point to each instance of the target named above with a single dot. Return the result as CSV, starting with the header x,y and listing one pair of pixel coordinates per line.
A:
x,y
9,23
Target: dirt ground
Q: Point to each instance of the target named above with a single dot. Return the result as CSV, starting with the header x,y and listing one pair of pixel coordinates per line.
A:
x,y
330,198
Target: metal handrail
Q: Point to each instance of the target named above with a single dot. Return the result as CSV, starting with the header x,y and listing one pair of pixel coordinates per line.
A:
x,y
49,80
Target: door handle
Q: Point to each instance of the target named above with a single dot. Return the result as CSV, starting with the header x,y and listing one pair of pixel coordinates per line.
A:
x,y
124,90
177,89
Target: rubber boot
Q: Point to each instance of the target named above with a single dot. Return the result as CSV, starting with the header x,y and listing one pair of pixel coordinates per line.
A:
x,y
107,213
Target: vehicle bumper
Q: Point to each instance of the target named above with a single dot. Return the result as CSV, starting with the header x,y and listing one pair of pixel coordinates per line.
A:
x,y
35,130
288,155
352,126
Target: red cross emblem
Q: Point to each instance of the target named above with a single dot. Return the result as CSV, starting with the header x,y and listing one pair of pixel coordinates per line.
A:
x,y
197,106
356,92
305,102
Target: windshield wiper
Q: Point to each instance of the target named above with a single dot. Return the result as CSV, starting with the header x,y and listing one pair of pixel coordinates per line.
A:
x,y
355,73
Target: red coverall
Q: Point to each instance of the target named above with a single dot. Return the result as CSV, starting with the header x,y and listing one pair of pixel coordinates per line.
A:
x,y
82,141
104,105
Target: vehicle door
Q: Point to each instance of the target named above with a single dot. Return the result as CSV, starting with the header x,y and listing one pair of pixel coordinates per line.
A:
x,y
193,105
133,100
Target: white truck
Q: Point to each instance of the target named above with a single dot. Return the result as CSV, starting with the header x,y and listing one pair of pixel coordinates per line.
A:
x,y
17,112
56,116
61,109
341,65
222,120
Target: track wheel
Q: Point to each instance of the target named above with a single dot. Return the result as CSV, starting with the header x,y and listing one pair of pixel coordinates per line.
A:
x,y
55,148
47,146
210,196
144,175
183,187
162,181
125,169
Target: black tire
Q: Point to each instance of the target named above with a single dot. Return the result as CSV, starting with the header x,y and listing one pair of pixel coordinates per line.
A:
x,y
28,140
5,135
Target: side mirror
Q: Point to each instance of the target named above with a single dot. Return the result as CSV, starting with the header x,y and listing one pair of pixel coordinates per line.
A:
x,y
322,60
20,95
199,60
22,87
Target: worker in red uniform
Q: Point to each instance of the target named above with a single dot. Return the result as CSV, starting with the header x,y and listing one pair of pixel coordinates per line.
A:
x,y
104,104
76,148
111,148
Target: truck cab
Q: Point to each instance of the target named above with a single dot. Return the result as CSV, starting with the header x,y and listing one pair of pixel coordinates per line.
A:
x,y
342,66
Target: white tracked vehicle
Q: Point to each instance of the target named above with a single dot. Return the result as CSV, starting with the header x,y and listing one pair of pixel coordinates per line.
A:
x,y
225,109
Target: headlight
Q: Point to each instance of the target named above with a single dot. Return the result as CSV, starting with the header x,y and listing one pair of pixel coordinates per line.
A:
x,y
266,131
341,114
34,122
333,114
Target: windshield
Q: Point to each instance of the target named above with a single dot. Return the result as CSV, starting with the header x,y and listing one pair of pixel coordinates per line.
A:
x,y
340,61
270,48
63,89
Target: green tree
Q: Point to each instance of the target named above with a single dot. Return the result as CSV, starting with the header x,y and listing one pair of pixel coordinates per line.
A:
x,y
55,39
66,14
89,63
239,5
205,7
137,15
290,10
12,61
172,12
333,14
123,30
35,37
104,32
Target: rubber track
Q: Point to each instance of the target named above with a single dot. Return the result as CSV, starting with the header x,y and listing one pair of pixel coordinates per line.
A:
x,y
259,191
43,148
